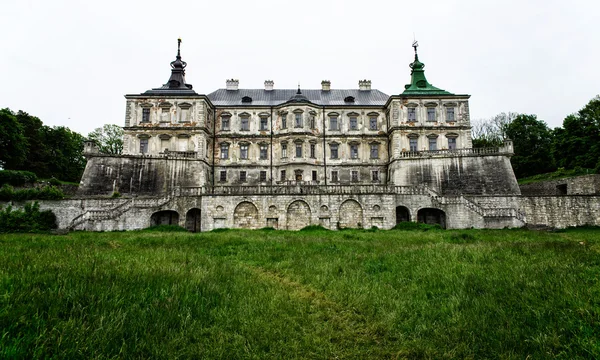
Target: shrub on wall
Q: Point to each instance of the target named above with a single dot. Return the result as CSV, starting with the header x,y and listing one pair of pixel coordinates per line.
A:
x,y
30,219
8,193
17,178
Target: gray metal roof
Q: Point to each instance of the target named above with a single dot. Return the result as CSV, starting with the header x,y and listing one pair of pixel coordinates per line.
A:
x,y
334,97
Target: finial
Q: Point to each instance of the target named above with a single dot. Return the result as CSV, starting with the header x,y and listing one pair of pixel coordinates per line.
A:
x,y
299,92
415,45
179,47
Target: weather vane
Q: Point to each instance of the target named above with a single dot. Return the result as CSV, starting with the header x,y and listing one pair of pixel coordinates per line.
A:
x,y
415,45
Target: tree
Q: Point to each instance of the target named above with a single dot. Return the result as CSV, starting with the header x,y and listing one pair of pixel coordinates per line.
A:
x,y
532,140
66,161
578,143
491,132
13,144
109,139
37,150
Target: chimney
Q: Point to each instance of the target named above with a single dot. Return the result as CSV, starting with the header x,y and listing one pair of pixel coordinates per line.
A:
x,y
232,84
325,85
364,85
269,85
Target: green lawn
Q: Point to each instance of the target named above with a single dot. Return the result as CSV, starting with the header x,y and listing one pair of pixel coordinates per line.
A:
x,y
315,294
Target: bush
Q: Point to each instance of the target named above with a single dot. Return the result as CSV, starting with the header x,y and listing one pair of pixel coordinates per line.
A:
x,y
54,181
30,219
17,178
314,228
166,228
8,193
409,225
116,194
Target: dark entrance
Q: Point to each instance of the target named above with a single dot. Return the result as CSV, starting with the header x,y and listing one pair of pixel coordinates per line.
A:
x,y
402,214
166,217
432,216
193,220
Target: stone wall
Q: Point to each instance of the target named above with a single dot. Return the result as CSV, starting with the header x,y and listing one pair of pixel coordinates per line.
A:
x,y
579,185
480,175
140,175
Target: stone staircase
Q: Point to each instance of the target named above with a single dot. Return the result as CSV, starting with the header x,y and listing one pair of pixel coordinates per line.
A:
x,y
486,213
117,211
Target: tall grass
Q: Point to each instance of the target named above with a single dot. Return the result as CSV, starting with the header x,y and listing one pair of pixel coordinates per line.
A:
x,y
308,294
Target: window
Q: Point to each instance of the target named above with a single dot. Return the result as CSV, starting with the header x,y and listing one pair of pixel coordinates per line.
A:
x,y
452,143
145,115
165,115
430,114
282,175
450,114
245,123
143,146
353,123
333,123
225,122
412,114
298,150
353,151
283,150
413,144
244,151
284,121
334,176
432,143
263,152
375,175
374,151
263,176
373,123
312,122
242,176
313,150
223,176
298,118
354,175
314,175
264,123
224,151
334,151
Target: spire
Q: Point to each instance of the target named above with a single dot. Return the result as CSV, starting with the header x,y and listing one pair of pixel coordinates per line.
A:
x,y
299,98
177,79
419,84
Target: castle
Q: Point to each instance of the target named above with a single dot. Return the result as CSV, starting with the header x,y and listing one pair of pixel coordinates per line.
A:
x,y
289,158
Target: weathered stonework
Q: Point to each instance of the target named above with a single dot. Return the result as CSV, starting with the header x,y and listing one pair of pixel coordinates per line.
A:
x,y
287,159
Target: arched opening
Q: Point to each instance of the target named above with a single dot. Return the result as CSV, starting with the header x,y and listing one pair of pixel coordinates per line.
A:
x,y
193,220
245,216
298,215
402,214
351,215
165,217
432,216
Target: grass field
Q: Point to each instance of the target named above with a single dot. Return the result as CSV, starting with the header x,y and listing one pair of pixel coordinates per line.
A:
x,y
310,294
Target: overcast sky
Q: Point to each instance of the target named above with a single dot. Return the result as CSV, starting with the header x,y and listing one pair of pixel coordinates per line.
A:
x,y
71,62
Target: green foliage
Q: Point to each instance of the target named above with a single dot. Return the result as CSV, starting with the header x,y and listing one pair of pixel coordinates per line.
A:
x,y
532,141
8,193
560,173
578,142
166,228
491,132
30,219
109,139
116,194
17,178
410,226
312,228
472,294
13,144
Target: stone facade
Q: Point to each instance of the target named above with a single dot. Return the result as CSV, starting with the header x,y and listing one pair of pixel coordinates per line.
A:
x,y
290,158
579,185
